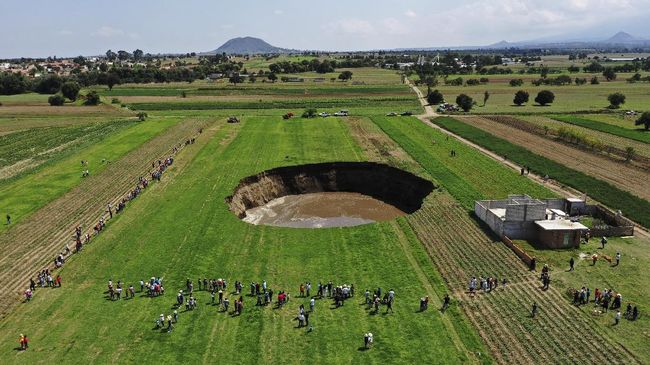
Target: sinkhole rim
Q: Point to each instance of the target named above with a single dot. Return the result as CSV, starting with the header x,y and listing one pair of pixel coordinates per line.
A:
x,y
396,187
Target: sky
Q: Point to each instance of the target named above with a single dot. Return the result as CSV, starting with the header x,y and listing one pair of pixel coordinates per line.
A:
x,y
63,28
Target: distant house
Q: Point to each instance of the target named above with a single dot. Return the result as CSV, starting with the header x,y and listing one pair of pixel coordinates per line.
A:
x,y
215,76
545,222
295,79
319,79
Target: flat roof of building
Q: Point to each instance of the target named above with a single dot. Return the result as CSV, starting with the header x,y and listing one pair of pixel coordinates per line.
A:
x,y
499,212
560,225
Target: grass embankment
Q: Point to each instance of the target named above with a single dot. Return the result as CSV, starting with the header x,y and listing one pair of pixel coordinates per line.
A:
x,y
637,135
22,196
633,207
198,236
469,176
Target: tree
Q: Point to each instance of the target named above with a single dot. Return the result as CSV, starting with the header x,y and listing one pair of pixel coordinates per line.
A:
x,y
92,98
644,120
345,76
615,100
609,74
545,97
12,83
123,55
435,97
112,79
521,97
236,79
629,153
80,60
486,96
309,113
110,55
594,81
465,102
544,72
138,54
272,77
56,100
516,82
48,85
71,90
252,78
142,116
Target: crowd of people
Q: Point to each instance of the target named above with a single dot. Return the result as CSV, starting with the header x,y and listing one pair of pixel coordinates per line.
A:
x,y
81,239
486,285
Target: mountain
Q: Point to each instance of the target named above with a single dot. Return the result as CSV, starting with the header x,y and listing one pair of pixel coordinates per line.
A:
x,y
248,45
622,38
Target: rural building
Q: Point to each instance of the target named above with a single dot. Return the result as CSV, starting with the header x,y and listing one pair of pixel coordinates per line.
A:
x,y
545,222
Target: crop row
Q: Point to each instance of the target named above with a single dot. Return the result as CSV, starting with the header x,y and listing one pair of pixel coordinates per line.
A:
x,y
632,206
42,143
636,135
469,176
501,316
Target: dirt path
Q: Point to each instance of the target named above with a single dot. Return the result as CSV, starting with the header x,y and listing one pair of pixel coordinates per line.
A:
x,y
428,109
32,244
616,173
460,249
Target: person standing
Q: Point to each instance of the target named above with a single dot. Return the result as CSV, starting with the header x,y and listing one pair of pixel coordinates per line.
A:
x,y
533,311
571,263
618,258
603,242
617,317
8,219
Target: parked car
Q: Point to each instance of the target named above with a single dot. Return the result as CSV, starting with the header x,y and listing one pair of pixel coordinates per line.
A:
x,y
391,114
406,114
324,114
342,113
630,112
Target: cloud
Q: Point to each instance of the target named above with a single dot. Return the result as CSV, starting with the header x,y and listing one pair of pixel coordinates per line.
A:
x,y
393,26
351,26
278,12
108,32
65,32
410,13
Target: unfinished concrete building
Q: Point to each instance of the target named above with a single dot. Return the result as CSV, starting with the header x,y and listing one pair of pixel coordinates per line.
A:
x,y
545,222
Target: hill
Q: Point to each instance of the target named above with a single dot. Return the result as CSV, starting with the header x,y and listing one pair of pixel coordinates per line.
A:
x,y
248,45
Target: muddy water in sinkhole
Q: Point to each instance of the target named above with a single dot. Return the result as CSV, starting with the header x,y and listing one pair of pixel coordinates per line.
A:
x,y
322,210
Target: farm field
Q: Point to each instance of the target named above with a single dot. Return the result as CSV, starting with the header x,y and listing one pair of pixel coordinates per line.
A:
x,y
26,193
568,99
632,206
181,228
466,251
619,141
638,134
618,174
361,255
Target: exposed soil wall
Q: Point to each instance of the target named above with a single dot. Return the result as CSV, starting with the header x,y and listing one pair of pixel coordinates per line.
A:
x,y
388,184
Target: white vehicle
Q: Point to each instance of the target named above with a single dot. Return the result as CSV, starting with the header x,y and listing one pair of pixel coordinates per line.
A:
x,y
324,114
342,113
631,112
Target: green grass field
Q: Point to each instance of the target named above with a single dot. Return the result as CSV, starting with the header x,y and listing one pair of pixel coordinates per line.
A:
x,y
207,240
25,194
469,176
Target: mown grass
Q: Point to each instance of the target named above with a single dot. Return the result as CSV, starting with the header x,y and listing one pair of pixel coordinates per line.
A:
x,y
196,236
637,135
469,176
24,195
259,89
632,206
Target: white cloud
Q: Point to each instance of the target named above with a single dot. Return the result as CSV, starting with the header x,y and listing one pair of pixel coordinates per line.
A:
x,y
108,32
410,13
65,32
393,26
278,12
351,26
